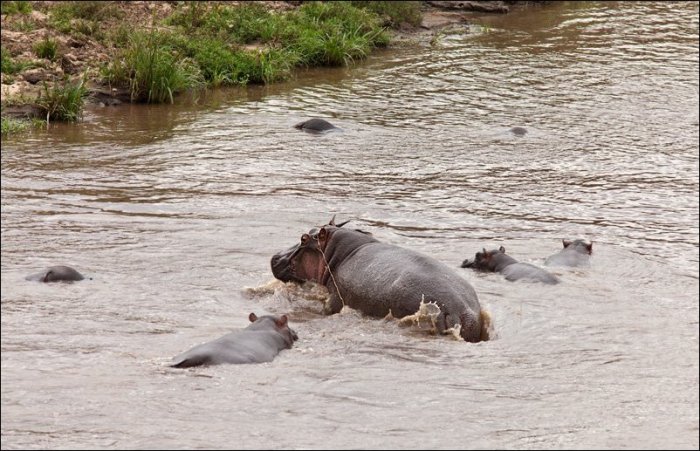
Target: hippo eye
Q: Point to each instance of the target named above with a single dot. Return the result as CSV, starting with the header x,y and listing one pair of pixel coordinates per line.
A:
x,y
304,238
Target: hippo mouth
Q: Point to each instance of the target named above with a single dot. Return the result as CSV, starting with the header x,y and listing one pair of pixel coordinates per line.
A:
x,y
468,263
283,267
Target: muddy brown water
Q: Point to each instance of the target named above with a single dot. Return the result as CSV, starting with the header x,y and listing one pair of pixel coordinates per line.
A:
x,y
174,210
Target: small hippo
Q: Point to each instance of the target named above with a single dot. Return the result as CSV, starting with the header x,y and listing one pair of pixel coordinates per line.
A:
x,y
496,260
316,126
575,253
57,274
518,131
260,342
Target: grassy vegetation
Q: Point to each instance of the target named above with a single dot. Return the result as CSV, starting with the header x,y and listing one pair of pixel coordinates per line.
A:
x,y
10,125
82,19
12,7
63,102
46,48
396,13
206,44
9,65
215,37
153,68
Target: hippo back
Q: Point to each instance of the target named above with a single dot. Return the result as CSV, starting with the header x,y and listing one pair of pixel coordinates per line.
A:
x,y
575,253
237,347
260,342
315,125
57,274
380,278
527,271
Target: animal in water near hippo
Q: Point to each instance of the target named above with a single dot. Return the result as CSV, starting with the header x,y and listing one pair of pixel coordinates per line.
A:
x,y
378,278
316,126
57,274
496,260
575,253
260,342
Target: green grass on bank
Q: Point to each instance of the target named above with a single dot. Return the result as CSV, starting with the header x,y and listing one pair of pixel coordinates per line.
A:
x,y
15,7
394,13
203,44
11,126
46,48
83,19
214,45
64,101
9,65
58,102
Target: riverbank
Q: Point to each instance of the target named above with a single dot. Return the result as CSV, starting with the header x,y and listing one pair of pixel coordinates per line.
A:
x,y
56,56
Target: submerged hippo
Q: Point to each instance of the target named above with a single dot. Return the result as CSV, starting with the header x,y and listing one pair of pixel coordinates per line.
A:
x,y
378,278
57,274
518,131
316,126
575,253
496,260
260,342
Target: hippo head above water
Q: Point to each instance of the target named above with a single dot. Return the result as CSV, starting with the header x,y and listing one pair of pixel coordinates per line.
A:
x,y
306,259
575,253
578,245
485,260
497,260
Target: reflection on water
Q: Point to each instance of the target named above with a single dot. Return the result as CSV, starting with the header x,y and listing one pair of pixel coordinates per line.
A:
x,y
174,210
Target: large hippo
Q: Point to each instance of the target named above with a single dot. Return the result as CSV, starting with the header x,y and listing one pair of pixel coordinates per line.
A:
x,y
57,274
316,126
496,260
378,278
260,342
575,253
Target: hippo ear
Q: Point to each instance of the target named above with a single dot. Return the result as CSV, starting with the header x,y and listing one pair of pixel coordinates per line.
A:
x,y
502,249
332,222
281,321
253,317
322,234
566,243
589,247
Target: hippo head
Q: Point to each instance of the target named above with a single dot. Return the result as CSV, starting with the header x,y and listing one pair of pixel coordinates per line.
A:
x,y
316,253
578,245
485,260
279,323
305,260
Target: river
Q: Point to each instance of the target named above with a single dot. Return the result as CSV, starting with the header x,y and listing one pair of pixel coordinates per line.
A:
x,y
175,210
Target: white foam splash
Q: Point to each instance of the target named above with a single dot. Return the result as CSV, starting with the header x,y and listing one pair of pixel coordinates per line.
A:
x,y
309,290
426,318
